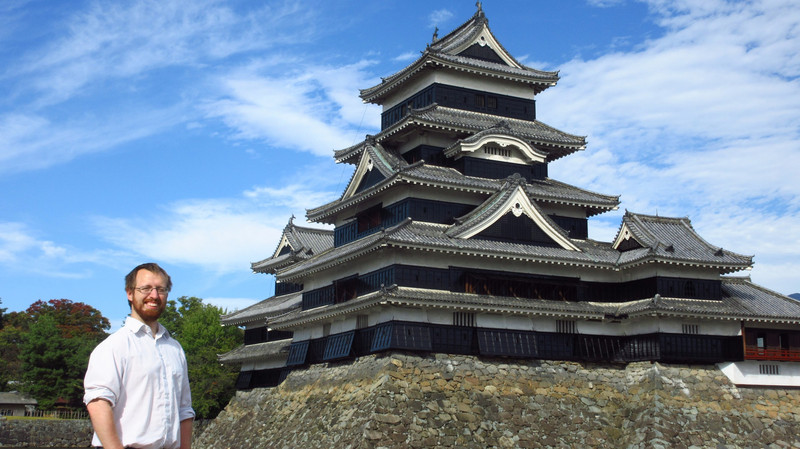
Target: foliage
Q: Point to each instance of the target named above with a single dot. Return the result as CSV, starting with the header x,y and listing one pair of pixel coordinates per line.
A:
x,y
52,365
197,327
72,318
10,341
45,350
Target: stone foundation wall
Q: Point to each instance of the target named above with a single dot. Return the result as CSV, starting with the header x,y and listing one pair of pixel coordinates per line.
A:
x,y
445,401
45,433
40,433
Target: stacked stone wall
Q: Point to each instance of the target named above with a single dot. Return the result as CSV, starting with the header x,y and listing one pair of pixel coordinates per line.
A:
x,y
45,433
55,433
445,401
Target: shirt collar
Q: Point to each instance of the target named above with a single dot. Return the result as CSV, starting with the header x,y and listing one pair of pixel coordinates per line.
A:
x,y
135,326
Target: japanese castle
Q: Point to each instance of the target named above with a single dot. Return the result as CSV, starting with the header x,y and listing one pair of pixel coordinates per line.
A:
x,y
451,237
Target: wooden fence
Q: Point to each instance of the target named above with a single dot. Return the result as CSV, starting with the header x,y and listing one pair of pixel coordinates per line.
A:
x,y
58,414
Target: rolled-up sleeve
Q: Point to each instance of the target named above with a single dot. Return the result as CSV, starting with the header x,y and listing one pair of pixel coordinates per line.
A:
x,y
103,378
185,410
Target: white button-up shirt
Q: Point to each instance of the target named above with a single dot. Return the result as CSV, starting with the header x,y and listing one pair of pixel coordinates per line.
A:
x,y
146,381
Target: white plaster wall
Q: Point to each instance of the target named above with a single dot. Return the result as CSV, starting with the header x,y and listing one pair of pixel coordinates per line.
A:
x,y
440,316
271,364
747,373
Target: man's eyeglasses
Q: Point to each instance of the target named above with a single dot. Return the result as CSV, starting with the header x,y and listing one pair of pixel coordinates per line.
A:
x,y
146,290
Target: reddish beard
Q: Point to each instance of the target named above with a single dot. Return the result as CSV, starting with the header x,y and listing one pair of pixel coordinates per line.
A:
x,y
146,313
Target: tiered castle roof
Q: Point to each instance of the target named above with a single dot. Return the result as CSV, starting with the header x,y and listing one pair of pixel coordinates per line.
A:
x,y
647,249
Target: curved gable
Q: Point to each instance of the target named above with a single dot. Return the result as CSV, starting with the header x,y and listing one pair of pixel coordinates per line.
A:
x,y
500,147
516,202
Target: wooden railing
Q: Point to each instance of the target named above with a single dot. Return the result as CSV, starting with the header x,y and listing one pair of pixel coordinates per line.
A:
x,y
58,414
757,353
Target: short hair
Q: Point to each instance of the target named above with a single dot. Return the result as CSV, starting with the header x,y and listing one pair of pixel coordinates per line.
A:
x,y
130,279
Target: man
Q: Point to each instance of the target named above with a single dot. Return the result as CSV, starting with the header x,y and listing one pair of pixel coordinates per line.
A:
x,y
137,384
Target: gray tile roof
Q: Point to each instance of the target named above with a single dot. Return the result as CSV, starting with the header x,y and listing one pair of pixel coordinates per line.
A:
x,y
554,142
500,199
263,310
687,249
303,243
259,351
15,398
428,236
442,54
420,175
674,239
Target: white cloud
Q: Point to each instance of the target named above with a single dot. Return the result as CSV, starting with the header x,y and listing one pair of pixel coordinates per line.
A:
x,y
701,122
32,141
98,80
439,17
111,40
219,236
22,250
313,109
406,57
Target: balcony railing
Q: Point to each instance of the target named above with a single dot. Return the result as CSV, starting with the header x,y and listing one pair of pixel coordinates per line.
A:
x,y
757,353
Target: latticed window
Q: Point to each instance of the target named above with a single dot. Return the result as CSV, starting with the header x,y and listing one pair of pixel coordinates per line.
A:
x,y
566,327
769,369
690,329
464,319
362,321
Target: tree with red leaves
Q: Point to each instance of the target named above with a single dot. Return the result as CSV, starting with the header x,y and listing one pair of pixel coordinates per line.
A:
x,y
50,345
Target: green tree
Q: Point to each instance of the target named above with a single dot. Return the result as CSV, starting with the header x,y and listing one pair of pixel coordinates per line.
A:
x,y
10,340
15,326
53,366
46,349
197,327
74,319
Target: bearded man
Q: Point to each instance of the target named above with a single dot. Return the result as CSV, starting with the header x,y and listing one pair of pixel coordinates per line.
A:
x,y
137,383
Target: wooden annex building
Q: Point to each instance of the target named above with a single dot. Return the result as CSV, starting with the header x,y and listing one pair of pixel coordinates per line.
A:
x,y
452,237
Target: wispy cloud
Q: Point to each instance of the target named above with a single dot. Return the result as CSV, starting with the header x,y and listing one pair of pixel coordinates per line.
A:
x,y
120,52
439,17
701,122
120,40
407,56
23,250
224,235
33,141
311,109
219,236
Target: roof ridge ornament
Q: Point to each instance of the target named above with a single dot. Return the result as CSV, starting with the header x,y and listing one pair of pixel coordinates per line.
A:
x,y
502,124
435,35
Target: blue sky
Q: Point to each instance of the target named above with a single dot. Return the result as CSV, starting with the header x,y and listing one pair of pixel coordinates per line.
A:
x,y
188,132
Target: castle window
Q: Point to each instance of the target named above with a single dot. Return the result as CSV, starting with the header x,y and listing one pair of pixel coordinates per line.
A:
x,y
491,102
326,329
369,219
463,319
362,321
690,329
769,369
497,151
480,101
689,291
566,327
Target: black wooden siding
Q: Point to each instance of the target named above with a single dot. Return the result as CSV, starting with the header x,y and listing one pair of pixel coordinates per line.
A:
x,y
430,211
489,169
427,338
506,284
462,98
